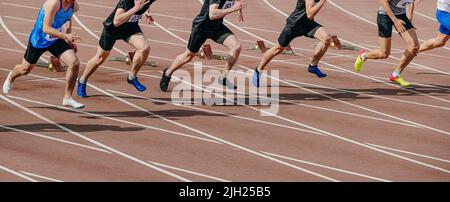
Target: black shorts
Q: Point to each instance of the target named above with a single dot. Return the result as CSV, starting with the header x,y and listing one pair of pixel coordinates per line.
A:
x,y
290,32
33,54
200,35
109,38
385,24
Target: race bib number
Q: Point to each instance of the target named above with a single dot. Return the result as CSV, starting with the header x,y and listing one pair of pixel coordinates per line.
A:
x,y
135,18
49,37
228,4
404,3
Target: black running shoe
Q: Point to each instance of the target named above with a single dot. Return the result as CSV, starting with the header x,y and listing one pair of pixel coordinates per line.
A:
x,y
227,83
165,80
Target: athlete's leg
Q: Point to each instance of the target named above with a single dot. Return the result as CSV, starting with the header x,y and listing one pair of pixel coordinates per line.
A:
x,y
383,52
73,64
412,43
180,60
235,50
19,70
325,40
269,55
142,46
439,41
94,63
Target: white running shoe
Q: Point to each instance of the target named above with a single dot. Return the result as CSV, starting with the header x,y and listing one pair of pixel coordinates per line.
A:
x,y
72,103
7,86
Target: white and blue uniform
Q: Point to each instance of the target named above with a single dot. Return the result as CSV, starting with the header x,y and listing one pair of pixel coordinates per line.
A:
x,y
40,42
443,16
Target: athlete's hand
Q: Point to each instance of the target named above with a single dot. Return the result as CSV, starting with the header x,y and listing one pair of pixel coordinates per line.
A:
x,y
73,46
73,37
400,25
149,19
139,4
239,5
241,16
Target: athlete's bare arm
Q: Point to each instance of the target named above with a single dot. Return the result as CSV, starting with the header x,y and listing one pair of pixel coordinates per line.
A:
x,y
122,16
312,8
399,24
216,13
50,9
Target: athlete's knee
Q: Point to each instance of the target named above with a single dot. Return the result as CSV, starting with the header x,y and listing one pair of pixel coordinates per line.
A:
x,y
25,69
413,48
327,40
145,50
237,49
385,54
189,56
74,65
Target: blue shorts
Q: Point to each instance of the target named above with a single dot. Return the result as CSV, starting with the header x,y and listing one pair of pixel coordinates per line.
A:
x,y
444,19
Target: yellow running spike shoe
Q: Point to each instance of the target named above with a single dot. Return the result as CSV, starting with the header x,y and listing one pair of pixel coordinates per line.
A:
x,y
359,61
400,81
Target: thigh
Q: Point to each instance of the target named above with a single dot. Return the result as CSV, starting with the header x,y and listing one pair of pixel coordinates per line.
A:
x,y
384,26
138,41
33,54
231,42
59,47
221,34
321,34
69,57
410,37
196,40
288,34
107,40
385,44
312,28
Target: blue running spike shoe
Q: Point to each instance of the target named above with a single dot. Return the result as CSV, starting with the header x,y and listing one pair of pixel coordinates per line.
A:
x,y
135,82
256,77
315,70
81,90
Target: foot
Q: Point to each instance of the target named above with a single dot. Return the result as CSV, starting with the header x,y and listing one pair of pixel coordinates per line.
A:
x,y
256,78
315,70
81,92
165,80
7,86
72,103
135,82
359,61
227,83
400,81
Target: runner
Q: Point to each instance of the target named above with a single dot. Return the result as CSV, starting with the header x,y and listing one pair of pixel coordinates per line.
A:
x,y
47,35
299,23
443,17
122,23
209,25
393,13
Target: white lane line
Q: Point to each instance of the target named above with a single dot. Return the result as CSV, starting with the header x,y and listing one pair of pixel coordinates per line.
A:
x,y
411,153
182,134
95,142
189,172
78,134
328,167
357,106
341,137
215,112
425,16
364,19
425,67
351,72
17,174
370,95
350,113
421,84
214,137
357,16
53,138
40,176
